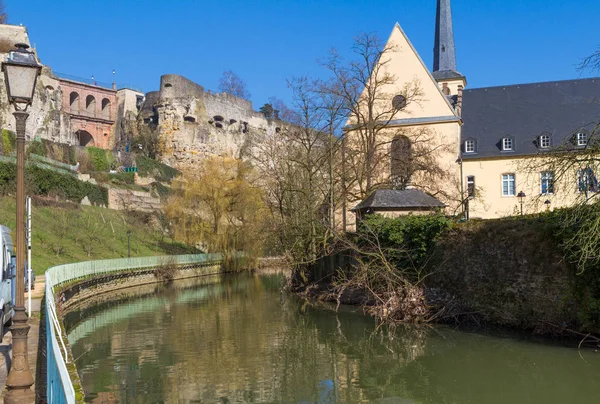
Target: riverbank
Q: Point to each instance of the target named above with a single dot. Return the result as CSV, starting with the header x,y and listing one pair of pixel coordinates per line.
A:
x,y
66,232
509,272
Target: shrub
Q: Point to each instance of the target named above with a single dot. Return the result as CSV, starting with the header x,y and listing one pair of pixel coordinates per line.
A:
x,y
162,190
37,147
122,178
407,240
98,158
148,167
72,159
42,181
8,141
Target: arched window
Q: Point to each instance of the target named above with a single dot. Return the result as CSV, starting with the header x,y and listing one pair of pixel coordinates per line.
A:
x,y
401,162
74,102
106,108
90,105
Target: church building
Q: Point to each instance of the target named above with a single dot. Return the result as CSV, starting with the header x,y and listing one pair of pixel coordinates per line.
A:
x,y
493,147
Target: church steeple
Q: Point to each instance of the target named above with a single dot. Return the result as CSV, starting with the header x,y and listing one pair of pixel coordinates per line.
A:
x,y
444,53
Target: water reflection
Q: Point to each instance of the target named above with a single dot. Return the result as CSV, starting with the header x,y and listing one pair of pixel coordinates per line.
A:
x,y
238,339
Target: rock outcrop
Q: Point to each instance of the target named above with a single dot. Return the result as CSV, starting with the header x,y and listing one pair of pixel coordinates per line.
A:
x,y
194,123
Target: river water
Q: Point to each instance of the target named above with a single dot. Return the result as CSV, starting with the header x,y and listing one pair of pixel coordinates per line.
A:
x,y
237,339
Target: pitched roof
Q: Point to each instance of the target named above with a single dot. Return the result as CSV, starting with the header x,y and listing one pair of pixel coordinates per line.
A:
x,y
525,111
393,198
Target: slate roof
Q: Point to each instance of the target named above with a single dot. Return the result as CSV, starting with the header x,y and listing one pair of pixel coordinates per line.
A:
x,y
444,54
392,198
525,111
446,74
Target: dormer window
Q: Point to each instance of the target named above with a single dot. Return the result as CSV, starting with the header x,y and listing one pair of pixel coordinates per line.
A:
x,y
470,146
544,141
581,138
507,144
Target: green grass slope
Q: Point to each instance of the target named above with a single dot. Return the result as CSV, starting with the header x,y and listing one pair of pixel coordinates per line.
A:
x,y
68,233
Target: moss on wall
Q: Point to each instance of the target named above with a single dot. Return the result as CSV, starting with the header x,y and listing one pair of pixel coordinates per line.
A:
x,y
511,272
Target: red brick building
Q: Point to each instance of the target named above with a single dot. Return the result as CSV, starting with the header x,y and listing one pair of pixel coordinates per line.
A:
x,y
92,112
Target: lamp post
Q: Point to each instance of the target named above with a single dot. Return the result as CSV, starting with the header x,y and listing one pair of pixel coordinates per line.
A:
x,y
521,195
547,202
20,73
128,243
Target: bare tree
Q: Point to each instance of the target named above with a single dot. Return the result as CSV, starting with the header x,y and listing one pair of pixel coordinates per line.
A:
x,y
591,62
377,152
3,15
574,166
232,83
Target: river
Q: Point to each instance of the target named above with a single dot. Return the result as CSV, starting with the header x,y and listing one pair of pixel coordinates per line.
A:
x,y
238,339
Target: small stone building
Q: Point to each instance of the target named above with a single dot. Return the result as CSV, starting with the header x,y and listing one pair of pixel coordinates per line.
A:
x,y
394,203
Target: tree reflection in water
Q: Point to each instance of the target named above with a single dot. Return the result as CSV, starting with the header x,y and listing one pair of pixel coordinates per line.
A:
x,y
238,339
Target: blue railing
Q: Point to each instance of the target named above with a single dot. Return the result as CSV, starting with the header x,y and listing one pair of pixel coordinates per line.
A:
x,y
59,384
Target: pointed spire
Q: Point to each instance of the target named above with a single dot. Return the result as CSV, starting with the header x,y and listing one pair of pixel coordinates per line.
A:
x,y
444,53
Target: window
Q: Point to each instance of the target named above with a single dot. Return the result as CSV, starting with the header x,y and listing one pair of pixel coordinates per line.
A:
x,y
507,143
471,186
401,167
399,102
508,185
587,181
544,141
470,146
582,139
547,182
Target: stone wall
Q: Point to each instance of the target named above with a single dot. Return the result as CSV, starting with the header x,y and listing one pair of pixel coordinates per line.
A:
x,y
194,123
123,199
507,272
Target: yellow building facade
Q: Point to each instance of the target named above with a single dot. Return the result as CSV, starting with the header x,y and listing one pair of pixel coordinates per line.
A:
x,y
486,146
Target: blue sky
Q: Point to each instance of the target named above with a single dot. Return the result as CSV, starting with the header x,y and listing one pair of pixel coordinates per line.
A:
x,y
266,41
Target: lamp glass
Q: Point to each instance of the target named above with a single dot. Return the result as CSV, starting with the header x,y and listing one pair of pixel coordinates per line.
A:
x,y
20,81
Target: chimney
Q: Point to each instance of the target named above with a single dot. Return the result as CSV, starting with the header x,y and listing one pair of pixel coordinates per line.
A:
x,y
445,89
459,98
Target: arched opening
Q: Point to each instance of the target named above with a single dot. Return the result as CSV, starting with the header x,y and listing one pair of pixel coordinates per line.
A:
x,y
74,102
90,105
106,108
85,138
401,164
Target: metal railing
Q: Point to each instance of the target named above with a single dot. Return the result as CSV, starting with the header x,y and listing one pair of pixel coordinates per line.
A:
x,y
59,384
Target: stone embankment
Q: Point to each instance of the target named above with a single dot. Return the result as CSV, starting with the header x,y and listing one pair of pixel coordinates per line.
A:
x,y
75,293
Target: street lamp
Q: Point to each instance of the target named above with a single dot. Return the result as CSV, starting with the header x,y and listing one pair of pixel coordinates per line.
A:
x,y
547,203
128,243
521,195
20,73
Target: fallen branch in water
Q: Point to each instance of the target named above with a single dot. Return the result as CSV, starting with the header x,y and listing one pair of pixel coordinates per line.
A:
x,y
593,338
